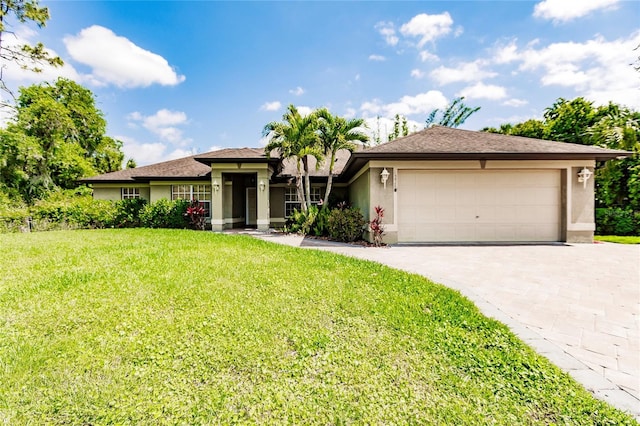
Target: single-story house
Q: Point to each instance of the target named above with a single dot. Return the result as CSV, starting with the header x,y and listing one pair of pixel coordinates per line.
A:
x,y
436,185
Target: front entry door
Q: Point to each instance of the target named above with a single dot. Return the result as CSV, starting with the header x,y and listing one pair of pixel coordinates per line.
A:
x,y
251,214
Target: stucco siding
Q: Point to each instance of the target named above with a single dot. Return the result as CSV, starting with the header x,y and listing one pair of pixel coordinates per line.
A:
x,y
113,194
359,193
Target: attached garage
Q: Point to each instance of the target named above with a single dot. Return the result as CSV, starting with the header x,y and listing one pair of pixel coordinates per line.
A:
x,y
479,206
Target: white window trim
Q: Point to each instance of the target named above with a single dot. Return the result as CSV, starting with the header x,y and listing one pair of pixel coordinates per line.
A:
x,y
128,193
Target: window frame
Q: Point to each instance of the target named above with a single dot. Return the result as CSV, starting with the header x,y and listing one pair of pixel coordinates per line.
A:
x,y
193,191
129,193
292,202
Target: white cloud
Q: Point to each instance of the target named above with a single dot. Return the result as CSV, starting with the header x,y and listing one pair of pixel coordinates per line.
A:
x,y
506,54
387,30
427,27
214,148
483,91
14,75
350,113
304,110
428,56
271,106
513,102
116,60
567,10
416,73
163,124
597,69
422,103
377,58
465,71
149,153
298,91
357,77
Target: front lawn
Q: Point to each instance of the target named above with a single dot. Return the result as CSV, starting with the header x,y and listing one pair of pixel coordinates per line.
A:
x,y
181,327
617,239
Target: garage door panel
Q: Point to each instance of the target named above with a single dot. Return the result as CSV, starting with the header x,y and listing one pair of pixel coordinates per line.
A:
x,y
440,206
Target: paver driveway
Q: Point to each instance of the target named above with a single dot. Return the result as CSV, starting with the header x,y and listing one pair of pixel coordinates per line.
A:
x,y
579,305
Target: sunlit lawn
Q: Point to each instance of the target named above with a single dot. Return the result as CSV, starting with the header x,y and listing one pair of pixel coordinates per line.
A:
x,y
617,239
184,327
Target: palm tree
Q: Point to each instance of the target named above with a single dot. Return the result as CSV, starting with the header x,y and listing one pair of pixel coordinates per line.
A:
x,y
336,133
453,116
295,137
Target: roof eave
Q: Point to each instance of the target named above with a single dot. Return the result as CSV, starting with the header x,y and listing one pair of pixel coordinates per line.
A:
x,y
357,159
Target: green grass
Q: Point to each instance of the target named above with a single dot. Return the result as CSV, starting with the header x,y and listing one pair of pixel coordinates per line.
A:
x,y
182,327
617,239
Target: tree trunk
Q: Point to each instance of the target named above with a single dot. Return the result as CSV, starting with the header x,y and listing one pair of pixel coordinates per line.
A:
x,y
327,192
307,181
300,189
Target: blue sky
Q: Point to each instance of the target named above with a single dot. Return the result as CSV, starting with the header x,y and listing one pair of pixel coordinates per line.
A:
x,y
176,78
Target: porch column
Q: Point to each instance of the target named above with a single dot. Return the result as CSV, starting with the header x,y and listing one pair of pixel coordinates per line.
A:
x,y
262,184
217,186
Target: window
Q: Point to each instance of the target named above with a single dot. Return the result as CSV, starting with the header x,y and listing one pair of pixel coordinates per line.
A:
x,y
291,201
201,193
129,193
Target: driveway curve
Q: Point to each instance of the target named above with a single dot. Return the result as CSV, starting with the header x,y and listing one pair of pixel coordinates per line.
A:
x,y
579,305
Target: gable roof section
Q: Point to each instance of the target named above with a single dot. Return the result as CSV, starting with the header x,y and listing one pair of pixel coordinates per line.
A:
x,y
179,169
446,143
235,155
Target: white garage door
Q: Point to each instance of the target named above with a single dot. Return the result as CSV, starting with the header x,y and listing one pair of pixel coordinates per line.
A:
x,y
487,205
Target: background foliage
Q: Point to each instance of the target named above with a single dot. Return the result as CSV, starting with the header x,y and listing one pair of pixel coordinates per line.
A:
x,y
56,137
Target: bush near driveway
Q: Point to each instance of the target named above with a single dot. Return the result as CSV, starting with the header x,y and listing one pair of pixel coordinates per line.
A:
x,y
147,326
617,221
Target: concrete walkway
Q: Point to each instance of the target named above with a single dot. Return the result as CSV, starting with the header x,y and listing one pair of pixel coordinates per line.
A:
x,y
578,305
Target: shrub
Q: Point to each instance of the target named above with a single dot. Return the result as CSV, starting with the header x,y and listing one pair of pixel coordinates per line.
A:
x,y
64,210
195,214
320,226
301,222
617,221
346,224
376,226
127,214
164,214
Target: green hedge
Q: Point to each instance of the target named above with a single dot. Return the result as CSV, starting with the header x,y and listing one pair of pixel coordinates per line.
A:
x,y
617,221
69,210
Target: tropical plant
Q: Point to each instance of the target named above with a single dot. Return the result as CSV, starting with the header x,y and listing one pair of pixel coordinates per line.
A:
x,y
295,137
336,133
455,114
377,227
195,212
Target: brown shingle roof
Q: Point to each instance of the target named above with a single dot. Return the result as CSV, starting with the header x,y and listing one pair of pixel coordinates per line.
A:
x,y
446,143
182,168
434,143
439,139
289,167
233,154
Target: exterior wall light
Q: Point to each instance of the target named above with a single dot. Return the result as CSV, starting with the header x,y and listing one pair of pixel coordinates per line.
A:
x,y
216,186
384,176
262,185
584,175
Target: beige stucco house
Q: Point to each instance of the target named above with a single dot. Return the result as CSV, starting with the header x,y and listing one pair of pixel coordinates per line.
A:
x,y
438,185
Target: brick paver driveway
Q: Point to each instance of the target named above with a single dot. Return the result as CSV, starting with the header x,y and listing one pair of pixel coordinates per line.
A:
x,y
579,305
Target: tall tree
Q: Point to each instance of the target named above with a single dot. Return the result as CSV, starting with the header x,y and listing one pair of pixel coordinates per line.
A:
x,y
26,56
454,115
568,121
57,137
295,137
337,133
